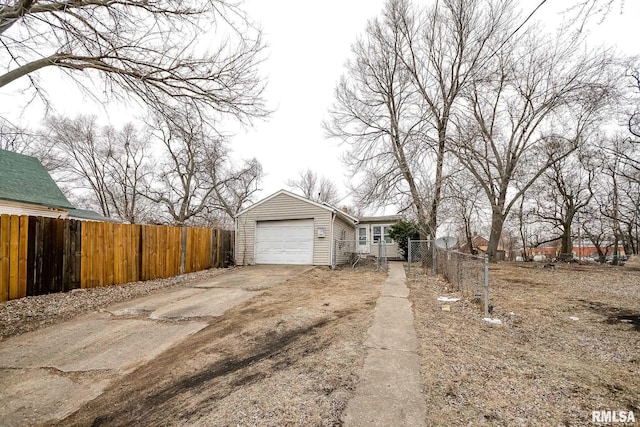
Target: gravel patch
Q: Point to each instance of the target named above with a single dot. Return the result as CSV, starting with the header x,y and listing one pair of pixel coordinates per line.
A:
x,y
31,313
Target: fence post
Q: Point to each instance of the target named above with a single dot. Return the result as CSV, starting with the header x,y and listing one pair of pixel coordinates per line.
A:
x,y
434,255
409,255
183,251
486,284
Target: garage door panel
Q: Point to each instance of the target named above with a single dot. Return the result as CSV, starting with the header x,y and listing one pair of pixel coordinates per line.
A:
x,y
284,242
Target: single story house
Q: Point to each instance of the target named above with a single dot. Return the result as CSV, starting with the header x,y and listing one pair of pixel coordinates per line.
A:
x,y
26,188
373,232
285,228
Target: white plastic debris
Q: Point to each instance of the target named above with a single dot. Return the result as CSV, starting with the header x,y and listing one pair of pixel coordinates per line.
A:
x,y
447,299
574,318
492,321
511,313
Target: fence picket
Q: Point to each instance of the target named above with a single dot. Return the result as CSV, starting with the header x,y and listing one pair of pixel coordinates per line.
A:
x,y
4,257
22,257
14,242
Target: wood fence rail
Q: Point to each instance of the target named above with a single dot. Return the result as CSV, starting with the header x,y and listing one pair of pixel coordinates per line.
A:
x,y
44,255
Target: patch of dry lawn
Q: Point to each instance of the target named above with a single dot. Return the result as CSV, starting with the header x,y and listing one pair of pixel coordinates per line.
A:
x,y
539,367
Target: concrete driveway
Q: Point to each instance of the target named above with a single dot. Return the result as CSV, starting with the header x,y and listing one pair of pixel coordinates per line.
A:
x,y
48,374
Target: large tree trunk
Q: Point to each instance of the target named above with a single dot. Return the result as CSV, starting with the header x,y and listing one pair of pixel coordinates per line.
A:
x,y
497,221
433,212
566,241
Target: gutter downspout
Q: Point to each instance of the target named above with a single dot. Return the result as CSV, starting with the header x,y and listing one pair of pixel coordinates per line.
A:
x,y
331,243
235,241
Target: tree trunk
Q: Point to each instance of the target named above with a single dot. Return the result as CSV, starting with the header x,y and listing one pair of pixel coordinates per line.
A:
x,y
566,241
497,220
433,212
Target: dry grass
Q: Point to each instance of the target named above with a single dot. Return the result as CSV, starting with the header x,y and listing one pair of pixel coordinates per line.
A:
x,y
539,367
290,356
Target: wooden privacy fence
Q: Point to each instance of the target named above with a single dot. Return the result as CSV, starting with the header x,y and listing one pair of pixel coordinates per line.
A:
x,y
44,255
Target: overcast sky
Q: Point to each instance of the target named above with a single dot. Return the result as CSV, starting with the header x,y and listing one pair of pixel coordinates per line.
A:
x,y
308,45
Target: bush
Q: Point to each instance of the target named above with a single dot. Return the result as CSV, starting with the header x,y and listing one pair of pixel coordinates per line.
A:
x,y
401,232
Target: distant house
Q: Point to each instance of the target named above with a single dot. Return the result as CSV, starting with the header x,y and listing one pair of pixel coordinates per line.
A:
x,y
26,188
480,245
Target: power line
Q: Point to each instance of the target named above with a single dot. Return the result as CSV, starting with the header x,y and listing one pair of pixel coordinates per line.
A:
x,y
513,33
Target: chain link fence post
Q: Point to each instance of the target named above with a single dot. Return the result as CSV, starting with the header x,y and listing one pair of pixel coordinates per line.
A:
x,y
434,255
486,285
409,255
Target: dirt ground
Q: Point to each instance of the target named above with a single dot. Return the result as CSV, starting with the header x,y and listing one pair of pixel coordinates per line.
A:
x,y
569,345
289,356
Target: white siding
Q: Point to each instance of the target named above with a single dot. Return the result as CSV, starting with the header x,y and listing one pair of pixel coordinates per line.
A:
x,y
340,226
392,249
283,207
17,208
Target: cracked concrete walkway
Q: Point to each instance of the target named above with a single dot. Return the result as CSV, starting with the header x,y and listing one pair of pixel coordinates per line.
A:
x,y
391,390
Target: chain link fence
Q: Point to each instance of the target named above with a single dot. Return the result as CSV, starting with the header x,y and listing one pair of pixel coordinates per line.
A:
x,y
350,252
468,273
420,257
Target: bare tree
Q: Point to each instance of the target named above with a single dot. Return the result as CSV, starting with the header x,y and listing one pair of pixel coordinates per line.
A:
x,y
395,105
565,190
129,169
445,50
112,164
317,188
13,138
147,49
236,187
583,10
464,204
85,154
531,110
26,141
196,181
378,113
634,118
619,198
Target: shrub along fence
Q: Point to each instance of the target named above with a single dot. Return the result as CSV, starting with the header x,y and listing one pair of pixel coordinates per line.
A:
x,y
44,255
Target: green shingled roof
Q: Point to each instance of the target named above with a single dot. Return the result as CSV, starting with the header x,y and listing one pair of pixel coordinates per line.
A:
x,y
24,179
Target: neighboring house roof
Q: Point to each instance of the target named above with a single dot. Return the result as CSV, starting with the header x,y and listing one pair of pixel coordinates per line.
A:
x,y
381,219
479,241
89,215
325,206
24,179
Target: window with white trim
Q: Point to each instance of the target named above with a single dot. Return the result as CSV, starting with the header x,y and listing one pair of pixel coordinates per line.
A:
x,y
381,232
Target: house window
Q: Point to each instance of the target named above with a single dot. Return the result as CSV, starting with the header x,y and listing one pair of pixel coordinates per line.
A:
x,y
381,232
362,236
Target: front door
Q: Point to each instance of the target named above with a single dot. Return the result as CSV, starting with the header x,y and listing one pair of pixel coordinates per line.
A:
x,y
362,240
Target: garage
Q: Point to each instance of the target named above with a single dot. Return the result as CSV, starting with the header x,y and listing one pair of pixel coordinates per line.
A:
x,y
284,242
285,228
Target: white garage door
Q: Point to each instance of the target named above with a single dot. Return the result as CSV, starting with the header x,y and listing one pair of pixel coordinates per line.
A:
x,y
284,242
